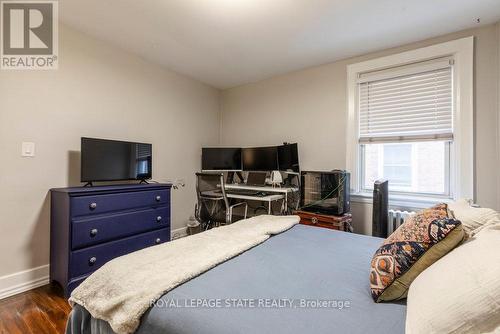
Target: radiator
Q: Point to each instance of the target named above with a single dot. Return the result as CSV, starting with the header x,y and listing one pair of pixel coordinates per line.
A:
x,y
396,218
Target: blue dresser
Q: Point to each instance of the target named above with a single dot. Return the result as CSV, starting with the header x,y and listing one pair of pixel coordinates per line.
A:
x,y
92,225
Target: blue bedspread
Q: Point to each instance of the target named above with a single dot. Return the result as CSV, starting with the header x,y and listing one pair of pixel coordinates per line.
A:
x,y
306,280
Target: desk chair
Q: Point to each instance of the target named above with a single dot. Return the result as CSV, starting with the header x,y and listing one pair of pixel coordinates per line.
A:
x,y
293,180
213,206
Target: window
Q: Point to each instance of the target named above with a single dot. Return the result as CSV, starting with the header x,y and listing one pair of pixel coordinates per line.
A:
x,y
410,116
397,164
405,117
408,167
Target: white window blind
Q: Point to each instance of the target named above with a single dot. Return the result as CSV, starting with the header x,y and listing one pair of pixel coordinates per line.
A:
x,y
409,103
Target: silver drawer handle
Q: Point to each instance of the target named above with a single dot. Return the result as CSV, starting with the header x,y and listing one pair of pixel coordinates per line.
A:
x,y
92,260
93,206
93,232
158,198
158,219
158,240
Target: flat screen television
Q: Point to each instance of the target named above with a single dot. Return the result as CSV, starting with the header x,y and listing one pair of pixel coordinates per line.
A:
x,y
260,159
288,157
112,160
221,158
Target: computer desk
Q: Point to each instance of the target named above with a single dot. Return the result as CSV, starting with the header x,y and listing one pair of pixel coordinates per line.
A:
x,y
268,198
279,193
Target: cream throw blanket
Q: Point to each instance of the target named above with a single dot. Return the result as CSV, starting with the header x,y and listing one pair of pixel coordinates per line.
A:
x,y
126,287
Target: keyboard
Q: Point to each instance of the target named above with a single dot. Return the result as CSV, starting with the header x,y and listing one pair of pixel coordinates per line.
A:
x,y
245,192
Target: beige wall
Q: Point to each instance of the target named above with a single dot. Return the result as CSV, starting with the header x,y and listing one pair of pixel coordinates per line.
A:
x,y
98,91
498,108
310,107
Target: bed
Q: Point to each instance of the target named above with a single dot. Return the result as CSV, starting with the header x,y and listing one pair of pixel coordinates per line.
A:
x,y
304,266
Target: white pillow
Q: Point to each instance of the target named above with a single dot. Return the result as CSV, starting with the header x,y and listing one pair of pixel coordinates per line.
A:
x,y
473,219
460,293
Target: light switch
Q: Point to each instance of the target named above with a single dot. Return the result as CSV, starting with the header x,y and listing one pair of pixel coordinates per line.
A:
x,y
28,149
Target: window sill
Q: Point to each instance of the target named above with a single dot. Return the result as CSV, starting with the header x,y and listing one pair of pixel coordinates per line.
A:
x,y
401,201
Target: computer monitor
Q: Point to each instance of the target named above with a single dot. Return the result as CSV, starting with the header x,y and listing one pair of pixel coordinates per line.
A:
x,y
260,159
221,158
256,178
288,157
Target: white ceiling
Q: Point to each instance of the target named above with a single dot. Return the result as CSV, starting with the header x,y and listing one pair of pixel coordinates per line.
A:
x,y
226,43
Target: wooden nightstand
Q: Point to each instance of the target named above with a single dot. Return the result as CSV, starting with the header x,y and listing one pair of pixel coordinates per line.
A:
x,y
341,223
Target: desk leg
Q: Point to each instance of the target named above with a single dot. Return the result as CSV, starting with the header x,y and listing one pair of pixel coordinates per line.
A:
x,y
269,208
285,209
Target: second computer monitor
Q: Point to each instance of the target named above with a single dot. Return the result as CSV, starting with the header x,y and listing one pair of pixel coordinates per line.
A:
x,y
288,157
260,158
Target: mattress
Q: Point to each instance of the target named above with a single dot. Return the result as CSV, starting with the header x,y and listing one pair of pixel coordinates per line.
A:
x,y
306,279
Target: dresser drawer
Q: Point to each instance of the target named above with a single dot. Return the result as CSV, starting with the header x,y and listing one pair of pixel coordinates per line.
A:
x,y
90,259
94,230
96,204
341,223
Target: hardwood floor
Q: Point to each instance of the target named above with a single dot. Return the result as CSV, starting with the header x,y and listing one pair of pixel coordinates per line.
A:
x,y
40,311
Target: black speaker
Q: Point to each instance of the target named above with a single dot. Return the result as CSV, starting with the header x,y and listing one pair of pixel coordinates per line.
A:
x,y
380,208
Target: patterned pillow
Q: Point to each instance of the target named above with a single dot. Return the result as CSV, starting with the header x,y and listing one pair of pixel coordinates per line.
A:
x,y
419,242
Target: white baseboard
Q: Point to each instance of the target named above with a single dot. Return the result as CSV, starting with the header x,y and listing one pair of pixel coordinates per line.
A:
x,y
23,281
179,233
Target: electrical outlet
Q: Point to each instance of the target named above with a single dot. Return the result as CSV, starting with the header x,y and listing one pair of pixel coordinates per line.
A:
x,y
28,149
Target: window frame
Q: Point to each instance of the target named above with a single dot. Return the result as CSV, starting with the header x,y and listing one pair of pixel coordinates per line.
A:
x,y
461,180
